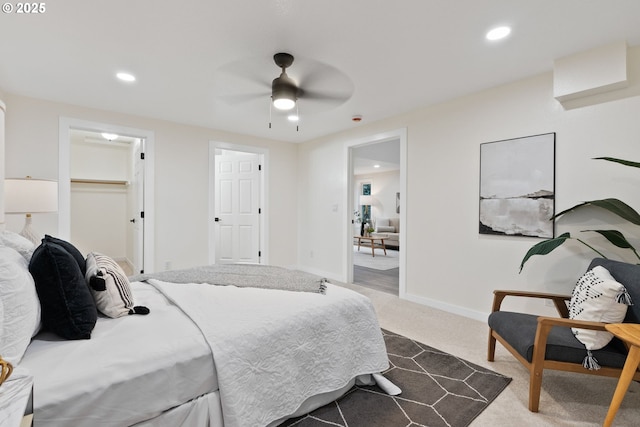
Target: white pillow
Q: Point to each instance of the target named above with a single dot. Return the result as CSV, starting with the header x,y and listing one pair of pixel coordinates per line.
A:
x,y
21,244
595,298
110,287
20,305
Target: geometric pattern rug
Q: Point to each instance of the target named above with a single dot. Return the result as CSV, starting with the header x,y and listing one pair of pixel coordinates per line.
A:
x,y
438,390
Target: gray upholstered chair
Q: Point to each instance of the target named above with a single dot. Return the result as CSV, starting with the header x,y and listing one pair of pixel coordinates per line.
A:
x,y
541,342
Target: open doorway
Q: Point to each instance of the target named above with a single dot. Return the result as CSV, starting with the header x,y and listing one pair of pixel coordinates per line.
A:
x,y
105,190
376,179
377,196
106,207
237,204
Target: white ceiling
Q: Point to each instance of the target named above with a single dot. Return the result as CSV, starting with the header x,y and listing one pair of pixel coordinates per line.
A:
x,y
376,158
202,62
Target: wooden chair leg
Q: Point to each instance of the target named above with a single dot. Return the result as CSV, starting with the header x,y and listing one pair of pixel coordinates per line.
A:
x,y
535,386
537,364
491,349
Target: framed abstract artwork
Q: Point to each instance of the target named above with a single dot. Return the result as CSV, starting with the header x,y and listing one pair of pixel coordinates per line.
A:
x,y
517,186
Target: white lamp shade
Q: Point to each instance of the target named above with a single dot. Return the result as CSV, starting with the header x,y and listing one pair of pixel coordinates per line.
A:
x,y
26,195
366,200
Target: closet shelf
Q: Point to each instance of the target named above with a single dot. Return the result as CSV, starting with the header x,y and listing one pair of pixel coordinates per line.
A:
x,y
99,181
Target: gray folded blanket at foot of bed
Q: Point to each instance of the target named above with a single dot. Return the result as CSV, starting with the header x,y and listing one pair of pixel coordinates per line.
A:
x,y
242,275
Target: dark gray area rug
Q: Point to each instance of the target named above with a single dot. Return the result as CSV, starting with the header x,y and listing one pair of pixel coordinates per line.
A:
x,y
438,390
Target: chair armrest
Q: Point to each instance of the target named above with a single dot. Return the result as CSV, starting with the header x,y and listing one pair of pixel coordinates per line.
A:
x,y
558,299
545,324
570,323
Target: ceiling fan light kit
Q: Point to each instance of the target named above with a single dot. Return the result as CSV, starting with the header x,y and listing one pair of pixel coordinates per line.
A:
x,y
284,91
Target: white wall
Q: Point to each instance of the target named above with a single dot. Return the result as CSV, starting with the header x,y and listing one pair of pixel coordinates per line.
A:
x,y
384,186
2,168
181,176
450,265
99,222
99,211
100,161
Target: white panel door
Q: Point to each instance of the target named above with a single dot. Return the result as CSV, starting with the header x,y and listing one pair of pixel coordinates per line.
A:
x,y
237,194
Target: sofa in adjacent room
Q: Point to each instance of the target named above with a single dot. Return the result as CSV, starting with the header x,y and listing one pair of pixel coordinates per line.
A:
x,y
391,228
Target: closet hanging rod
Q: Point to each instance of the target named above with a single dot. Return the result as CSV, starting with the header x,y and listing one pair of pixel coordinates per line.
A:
x,y
98,181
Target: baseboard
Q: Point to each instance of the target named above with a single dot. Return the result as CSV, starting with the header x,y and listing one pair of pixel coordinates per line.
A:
x,y
449,308
325,274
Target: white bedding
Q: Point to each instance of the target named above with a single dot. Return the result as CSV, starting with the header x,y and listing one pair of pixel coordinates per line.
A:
x,y
137,368
133,368
305,343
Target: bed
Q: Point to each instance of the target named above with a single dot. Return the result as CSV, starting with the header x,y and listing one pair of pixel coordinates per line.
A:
x,y
207,355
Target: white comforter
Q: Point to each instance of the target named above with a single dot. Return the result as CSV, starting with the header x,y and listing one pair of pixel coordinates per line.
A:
x,y
274,349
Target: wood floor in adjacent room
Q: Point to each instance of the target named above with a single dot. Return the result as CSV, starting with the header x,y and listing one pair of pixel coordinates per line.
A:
x,y
380,280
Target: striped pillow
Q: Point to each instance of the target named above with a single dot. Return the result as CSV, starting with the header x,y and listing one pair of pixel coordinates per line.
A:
x,y
110,287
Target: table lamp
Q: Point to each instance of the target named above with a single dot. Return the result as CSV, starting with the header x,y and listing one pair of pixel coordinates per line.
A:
x,y
28,196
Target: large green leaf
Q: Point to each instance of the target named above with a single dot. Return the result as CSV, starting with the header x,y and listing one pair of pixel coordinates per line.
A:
x,y
544,247
614,206
615,237
621,161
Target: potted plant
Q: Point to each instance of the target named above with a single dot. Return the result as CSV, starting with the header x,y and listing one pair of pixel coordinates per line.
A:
x,y
369,230
614,237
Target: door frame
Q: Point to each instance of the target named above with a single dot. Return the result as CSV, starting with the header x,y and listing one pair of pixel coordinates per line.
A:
x,y
397,134
264,196
66,124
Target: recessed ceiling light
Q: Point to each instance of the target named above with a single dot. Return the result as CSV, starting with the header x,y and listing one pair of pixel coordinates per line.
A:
x,y
376,166
293,118
126,77
109,136
498,33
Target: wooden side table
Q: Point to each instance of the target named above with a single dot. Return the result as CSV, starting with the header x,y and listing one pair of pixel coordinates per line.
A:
x,y
630,334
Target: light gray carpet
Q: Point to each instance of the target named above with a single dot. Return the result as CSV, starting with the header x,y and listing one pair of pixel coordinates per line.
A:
x,y
438,389
363,258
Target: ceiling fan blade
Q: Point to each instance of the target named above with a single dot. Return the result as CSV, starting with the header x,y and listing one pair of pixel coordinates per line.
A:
x,y
244,98
242,80
335,98
323,84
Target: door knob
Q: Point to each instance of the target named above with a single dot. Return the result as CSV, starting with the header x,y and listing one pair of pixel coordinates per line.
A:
x,y
132,220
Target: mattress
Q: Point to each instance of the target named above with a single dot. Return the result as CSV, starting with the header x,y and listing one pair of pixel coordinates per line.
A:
x,y
132,369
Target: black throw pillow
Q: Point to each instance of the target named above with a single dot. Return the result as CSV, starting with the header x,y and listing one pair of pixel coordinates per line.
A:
x,y
68,308
75,253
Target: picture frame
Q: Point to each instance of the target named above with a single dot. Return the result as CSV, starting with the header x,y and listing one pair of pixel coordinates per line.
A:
x,y
517,186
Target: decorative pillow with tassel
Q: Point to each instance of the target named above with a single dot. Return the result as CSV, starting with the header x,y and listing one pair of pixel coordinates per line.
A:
x,y
110,287
597,297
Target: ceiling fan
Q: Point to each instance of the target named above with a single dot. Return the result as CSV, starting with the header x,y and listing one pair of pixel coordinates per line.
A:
x,y
314,85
